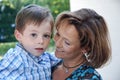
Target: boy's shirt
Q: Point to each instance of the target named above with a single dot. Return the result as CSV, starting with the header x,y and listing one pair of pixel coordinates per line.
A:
x,y
17,64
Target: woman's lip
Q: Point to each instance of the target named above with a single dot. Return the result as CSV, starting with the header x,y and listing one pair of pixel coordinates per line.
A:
x,y
58,50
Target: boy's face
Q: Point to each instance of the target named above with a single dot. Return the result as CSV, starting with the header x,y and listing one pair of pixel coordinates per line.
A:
x,y
35,39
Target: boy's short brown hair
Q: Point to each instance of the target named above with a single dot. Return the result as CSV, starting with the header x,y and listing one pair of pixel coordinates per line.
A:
x,y
32,14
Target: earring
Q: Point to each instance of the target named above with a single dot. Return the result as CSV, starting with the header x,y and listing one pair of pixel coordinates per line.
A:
x,y
86,56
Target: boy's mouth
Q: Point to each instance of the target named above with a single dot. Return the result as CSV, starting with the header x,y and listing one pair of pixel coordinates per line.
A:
x,y
39,49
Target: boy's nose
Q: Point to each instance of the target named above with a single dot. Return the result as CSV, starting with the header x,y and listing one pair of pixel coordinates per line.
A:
x,y
40,40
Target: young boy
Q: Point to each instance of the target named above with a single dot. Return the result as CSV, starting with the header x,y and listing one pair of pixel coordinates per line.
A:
x,y
28,60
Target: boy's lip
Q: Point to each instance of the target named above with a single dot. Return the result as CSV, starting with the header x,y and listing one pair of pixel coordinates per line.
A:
x,y
39,48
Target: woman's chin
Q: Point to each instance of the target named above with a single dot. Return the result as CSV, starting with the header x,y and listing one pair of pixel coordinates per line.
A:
x,y
58,54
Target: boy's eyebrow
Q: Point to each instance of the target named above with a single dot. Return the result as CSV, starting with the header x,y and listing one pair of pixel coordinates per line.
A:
x,y
33,30
49,32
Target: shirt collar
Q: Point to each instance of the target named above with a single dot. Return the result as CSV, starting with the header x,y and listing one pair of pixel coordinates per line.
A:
x,y
35,58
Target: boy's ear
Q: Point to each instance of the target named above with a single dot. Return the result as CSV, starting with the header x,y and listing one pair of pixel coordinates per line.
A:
x,y
17,35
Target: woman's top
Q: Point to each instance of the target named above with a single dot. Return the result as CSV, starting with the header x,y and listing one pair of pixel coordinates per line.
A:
x,y
17,64
84,72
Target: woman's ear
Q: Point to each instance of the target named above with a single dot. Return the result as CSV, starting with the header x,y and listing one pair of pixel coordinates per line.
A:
x,y
83,51
86,54
17,35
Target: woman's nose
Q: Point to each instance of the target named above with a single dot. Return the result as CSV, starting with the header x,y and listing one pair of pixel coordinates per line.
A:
x,y
58,42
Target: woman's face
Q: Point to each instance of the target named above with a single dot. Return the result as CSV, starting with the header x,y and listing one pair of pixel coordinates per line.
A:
x,y
67,43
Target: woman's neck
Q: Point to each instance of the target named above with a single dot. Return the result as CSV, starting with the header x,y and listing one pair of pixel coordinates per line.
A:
x,y
70,65
71,62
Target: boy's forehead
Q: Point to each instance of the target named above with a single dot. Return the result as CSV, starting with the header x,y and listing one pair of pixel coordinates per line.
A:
x,y
38,22
35,24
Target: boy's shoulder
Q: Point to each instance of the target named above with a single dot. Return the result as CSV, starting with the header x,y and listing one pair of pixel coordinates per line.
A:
x,y
11,63
13,52
11,56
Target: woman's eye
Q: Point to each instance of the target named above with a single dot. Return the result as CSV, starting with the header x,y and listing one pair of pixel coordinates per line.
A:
x,y
67,43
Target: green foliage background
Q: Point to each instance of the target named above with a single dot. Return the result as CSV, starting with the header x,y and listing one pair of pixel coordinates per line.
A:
x,y
8,11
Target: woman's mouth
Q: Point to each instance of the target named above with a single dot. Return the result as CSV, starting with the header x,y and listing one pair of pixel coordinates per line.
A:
x,y
58,50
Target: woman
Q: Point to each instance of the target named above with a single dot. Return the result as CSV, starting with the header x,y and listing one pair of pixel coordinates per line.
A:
x,y
82,42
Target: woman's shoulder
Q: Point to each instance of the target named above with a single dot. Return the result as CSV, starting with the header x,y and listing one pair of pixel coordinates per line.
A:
x,y
54,67
85,72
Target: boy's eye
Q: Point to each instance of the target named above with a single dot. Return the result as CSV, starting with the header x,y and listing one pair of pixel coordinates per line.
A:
x,y
47,36
33,35
57,34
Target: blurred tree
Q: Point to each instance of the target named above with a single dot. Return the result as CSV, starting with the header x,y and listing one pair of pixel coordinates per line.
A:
x,y
9,9
7,15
